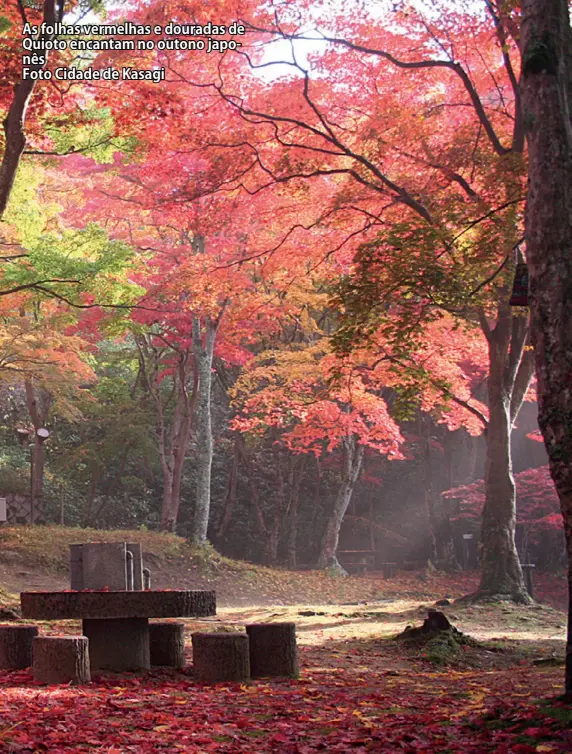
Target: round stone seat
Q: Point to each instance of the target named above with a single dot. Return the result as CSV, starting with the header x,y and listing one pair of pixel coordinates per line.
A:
x,y
103,604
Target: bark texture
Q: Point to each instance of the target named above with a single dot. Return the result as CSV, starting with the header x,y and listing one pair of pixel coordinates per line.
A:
x,y
15,121
147,604
546,42
273,649
510,371
118,644
39,402
220,657
167,644
174,414
61,659
203,346
353,458
16,645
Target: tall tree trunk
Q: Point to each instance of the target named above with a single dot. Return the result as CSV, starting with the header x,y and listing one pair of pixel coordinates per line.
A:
x,y
546,46
353,458
446,554
272,541
172,431
510,371
91,494
501,573
203,346
15,121
292,540
425,427
39,402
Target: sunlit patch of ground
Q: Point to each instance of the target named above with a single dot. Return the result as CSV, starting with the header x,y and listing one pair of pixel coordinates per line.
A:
x,y
318,625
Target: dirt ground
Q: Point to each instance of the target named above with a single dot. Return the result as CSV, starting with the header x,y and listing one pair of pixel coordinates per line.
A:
x,y
350,610
359,689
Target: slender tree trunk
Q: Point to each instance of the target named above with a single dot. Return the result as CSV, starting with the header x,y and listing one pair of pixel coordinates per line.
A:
x,y
272,542
203,350
352,465
255,498
546,45
446,555
90,498
39,402
292,541
172,431
425,428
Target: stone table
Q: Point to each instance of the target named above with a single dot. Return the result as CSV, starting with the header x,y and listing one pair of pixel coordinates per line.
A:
x,y
117,623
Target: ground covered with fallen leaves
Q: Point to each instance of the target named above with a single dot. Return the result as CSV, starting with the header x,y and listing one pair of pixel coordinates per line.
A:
x,y
359,689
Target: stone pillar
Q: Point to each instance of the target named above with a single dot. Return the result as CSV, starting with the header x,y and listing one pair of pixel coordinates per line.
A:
x,y
16,645
220,657
118,643
76,567
167,644
105,566
61,659
273,649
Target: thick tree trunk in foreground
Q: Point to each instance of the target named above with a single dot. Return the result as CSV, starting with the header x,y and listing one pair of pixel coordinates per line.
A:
x,y
15,121
546,44
352,467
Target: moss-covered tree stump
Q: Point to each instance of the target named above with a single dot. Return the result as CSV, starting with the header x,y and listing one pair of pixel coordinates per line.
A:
x,y
167,644
119,644
220,657
273,649
437,639
16,645
61,659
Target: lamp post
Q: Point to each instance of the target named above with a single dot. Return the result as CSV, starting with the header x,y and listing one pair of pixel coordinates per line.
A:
x,y
40,436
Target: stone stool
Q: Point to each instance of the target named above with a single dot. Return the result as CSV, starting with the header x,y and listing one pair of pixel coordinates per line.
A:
x,y
273,649
61,659
167,644
219,657
16,645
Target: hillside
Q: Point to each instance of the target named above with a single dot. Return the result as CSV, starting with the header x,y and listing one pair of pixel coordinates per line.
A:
x,y
36,558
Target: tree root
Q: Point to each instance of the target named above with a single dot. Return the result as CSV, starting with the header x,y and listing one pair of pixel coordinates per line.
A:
x,y
518,598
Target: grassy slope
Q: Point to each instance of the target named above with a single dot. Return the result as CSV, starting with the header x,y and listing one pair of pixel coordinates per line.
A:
x,y
176,564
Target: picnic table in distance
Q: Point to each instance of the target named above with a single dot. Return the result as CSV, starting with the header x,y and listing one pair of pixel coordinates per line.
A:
x,y
117,622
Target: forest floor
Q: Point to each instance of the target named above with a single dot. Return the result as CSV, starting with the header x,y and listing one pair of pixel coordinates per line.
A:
x,y
359,689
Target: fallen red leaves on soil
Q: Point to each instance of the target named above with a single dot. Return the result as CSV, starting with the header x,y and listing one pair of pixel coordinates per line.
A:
x,y
345,701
